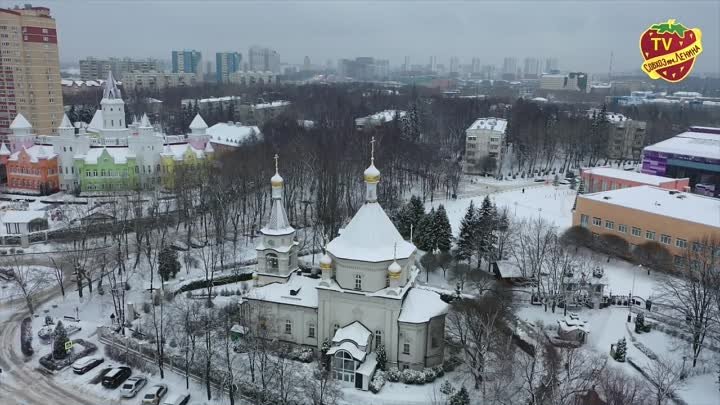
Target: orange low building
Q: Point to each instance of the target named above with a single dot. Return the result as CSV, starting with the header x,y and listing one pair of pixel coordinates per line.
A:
x,y
33,169
607,178
644,213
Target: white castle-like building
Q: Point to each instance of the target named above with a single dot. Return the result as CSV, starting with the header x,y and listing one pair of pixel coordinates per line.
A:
x,y
365,297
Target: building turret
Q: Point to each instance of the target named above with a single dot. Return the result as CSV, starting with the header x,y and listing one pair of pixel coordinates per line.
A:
x,y
112,105
372,176
66,129
198,125
326,266
145,128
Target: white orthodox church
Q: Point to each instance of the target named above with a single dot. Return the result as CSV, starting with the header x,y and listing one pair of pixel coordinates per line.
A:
x,y
366,296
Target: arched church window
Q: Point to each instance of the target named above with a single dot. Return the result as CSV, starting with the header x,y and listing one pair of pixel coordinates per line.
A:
x,y
271,261
378,338
358,282
344,366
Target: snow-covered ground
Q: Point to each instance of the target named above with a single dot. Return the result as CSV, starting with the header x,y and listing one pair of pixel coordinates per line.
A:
x,y
552,203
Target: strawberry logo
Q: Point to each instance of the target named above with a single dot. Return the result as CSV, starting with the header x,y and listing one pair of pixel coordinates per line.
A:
x,y
669,50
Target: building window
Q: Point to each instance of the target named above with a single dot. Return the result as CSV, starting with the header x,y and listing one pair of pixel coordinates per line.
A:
x,y
271,261
609,224
358,282
583,220
636,232
649,235
378,338
597,221
622,228
288,327
406,348
681,243
311,330
666,239
344,366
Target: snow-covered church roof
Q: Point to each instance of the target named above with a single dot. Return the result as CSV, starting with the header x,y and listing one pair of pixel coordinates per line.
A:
x,y
421,306
370,237
20,122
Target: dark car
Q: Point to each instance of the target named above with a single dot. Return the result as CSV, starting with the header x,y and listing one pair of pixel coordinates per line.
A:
x,y
115,377
86,364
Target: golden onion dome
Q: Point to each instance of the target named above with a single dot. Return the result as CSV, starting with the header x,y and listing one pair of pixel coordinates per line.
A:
x,y
325,262
372,174
394,270
276,180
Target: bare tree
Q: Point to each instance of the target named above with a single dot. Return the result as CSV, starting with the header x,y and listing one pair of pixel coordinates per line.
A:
x,y
691,294
59,275
480,328
321,388
666,378
28,279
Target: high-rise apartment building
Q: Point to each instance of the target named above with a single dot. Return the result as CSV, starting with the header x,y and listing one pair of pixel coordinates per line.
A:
x,y
509,68
454,64
226,63
263,59
531,68
551,65
187,61
98,69
29,69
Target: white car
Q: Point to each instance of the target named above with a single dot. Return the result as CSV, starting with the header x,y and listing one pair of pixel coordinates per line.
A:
x,y
132,385
83,365
154,394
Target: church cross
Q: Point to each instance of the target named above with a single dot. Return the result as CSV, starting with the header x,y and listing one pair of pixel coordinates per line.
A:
x,y
276,157
372,150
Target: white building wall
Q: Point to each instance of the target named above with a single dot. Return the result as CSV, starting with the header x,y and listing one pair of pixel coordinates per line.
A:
x,y
374,275
301,318
415,335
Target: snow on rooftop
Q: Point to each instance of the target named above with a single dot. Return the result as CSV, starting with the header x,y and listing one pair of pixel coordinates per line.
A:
x,y
355,332
628,175
278,223
306,295
368,366
279,103
119,155
421,305
20,122
198,123
22,217
224,133
670,203
35,153
690,143
178,151
370,236
350,348
97,123
489,124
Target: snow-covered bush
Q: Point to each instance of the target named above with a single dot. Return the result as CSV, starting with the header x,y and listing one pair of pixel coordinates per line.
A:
x,y
393,375
429,375
620,350
377,382
410,376
381,357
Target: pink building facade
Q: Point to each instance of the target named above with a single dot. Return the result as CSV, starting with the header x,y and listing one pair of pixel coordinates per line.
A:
x,y
599,179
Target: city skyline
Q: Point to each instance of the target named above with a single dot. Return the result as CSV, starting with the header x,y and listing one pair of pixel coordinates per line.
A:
x,y
580,35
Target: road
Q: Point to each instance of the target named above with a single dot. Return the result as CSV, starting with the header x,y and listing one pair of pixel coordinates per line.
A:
x,y
21,383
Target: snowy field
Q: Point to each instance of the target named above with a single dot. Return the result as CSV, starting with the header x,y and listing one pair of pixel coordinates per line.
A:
x,y
552,203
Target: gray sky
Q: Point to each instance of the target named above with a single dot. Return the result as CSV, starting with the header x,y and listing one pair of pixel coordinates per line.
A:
x,y
580,33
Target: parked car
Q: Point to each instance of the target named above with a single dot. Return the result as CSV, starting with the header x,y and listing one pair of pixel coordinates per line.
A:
x,y
115,377
86,364
131,387
177,399
154,394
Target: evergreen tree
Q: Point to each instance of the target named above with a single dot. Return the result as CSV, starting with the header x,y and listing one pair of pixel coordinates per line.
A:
x,y
416,212
466,237
460,398
484,231
443,230
581,187
574,184
72,114
621,350
425,235
381,357
60,338
556,180
168,263
447,388
640,323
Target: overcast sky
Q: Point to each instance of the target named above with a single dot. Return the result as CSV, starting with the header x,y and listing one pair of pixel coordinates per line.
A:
x,y
581,34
